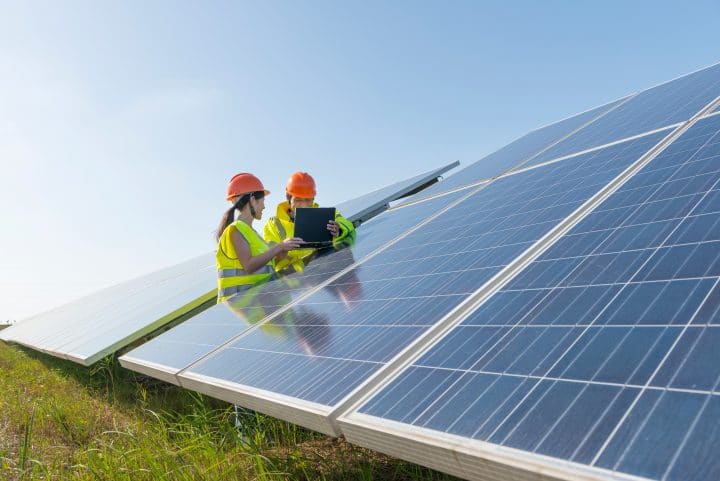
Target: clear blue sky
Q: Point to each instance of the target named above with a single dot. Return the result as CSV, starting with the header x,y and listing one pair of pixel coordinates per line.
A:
x,y
121,122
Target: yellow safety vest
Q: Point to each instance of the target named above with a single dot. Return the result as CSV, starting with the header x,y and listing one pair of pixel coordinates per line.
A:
x,y
282,227
232,278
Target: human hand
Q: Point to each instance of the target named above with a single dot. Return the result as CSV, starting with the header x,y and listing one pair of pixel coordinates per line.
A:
x,y
290,244
334,228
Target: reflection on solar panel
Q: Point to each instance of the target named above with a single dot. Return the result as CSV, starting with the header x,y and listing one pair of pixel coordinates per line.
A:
x,y
363,208
516,152
335,339
601,355
90,328
164,356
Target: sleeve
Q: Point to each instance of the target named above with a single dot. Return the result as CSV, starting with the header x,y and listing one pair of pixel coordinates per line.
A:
x,y
271,233
347,229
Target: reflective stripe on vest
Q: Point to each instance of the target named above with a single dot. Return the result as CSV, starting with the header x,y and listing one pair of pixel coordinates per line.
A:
x,y
232,278
225,292
224,273
280,228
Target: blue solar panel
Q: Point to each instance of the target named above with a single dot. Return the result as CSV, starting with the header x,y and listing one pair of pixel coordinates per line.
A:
x,y
667,104
604,350
335,339
191,340
515,152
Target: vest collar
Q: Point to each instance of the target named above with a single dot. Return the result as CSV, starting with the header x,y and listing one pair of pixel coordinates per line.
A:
x,y
283,209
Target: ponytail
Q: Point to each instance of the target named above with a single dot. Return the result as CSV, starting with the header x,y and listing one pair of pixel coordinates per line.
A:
x,y
229,216
227,219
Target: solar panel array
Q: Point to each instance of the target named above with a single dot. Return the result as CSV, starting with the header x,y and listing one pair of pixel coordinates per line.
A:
x,y
555,322
333,341
94,326
602,352
582,355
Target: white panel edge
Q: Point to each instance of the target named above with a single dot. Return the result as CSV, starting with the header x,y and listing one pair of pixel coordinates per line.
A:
x,y
467,458
157,371
310,415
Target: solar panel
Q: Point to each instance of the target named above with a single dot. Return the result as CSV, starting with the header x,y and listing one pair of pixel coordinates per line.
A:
x,y
598,361
362,208
164,356
516,152
666,104
335,339
92,327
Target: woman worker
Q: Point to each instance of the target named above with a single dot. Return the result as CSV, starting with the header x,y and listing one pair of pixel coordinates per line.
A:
x,y
243,258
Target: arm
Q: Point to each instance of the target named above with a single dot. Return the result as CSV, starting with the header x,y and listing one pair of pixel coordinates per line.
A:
x,y
340,227
252,263
271,234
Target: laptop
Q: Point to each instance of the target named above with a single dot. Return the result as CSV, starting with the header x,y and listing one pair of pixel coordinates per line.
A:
x,y
311,226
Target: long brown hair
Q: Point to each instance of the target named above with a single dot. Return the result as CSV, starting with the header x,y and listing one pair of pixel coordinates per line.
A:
x,y
229,215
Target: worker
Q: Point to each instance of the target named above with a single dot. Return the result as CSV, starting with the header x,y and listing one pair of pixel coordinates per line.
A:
x,y
243,258
300,191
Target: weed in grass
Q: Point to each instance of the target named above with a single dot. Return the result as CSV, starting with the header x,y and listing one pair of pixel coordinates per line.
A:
x,y
25,448
105,369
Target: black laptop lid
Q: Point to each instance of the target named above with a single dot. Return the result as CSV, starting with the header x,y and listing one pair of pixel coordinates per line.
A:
x,y
311,224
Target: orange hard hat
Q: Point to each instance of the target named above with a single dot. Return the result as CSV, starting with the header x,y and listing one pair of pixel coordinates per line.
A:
x,y
302,185
244,183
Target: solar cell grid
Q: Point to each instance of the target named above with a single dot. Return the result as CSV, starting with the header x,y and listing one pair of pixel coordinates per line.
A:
x,y
667,104
603,351
336,338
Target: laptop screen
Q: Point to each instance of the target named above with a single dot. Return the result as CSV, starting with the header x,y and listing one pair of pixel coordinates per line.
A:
x,y
311,223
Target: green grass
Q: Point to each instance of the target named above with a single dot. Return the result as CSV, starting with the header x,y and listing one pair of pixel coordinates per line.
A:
x,y
62,421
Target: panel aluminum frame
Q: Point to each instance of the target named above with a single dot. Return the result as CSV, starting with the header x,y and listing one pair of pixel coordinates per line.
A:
x,y
466,458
